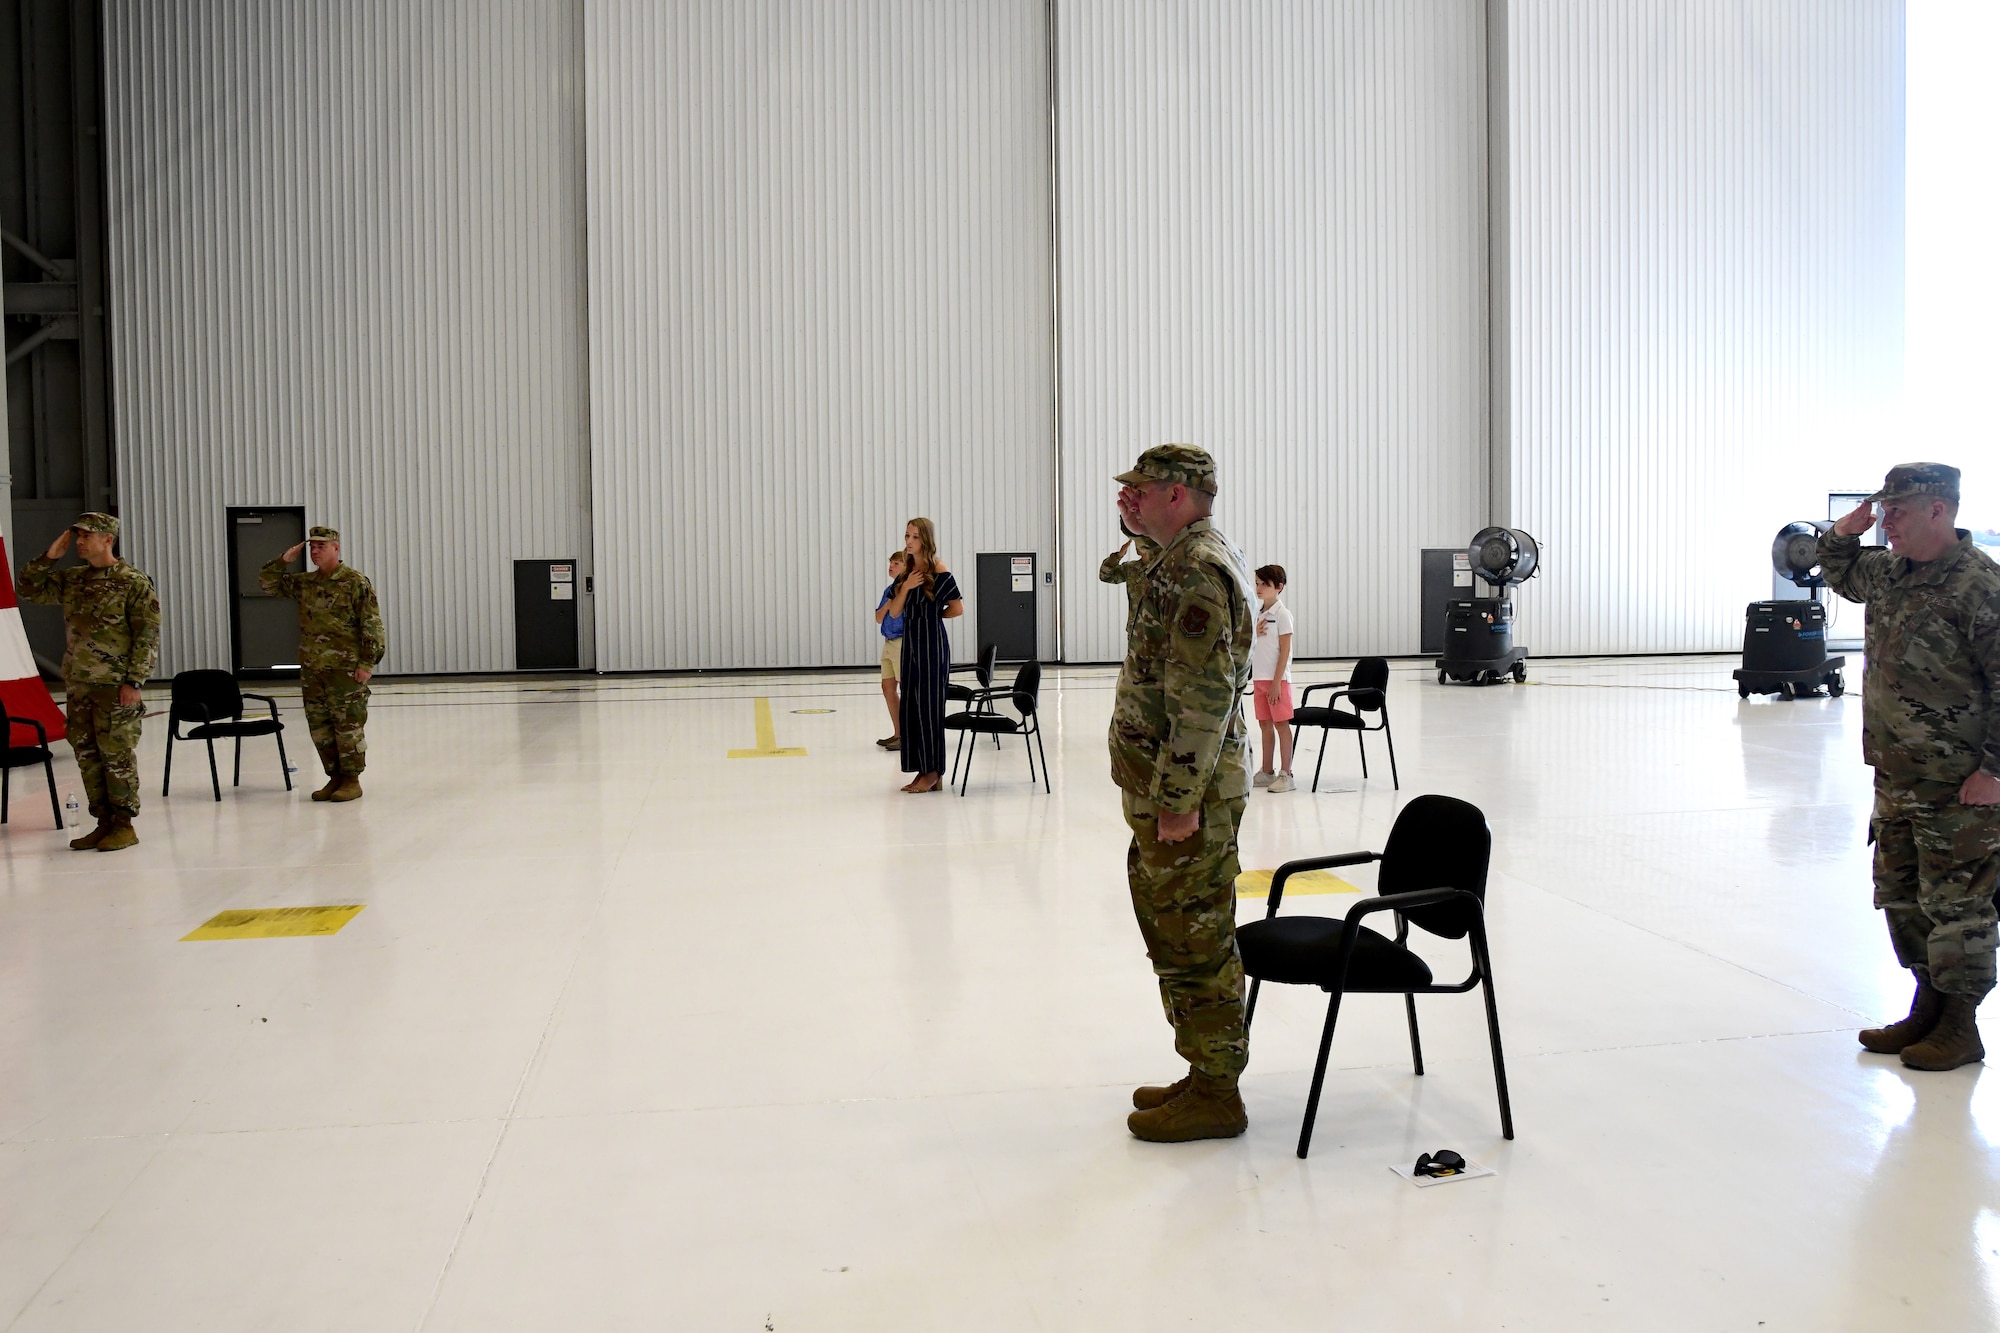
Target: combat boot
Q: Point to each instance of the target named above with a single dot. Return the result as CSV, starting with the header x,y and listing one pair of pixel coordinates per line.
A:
x,y
1952,1041
120,836
88,842
348,790
1924,1010
332,785
1211,1108
1160,1094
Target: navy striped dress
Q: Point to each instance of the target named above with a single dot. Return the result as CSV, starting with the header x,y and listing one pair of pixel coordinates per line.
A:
x,y
926,664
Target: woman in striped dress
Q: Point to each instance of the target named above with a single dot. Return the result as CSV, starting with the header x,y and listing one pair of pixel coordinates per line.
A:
x,y
927,597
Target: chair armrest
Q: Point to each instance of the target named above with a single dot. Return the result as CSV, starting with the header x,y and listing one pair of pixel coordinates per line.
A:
x,y
1403,902
1394,902
41,732
1337,687
265,700
1290,868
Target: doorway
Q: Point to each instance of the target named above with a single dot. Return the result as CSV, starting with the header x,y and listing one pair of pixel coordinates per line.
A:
x,y
263,630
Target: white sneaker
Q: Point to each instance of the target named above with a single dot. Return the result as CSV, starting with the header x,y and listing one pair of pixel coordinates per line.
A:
x,y
1282,782
1262,779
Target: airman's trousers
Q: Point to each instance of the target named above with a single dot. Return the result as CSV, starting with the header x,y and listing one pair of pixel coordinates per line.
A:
x,y
105,735
1184,894
336,707
1936,866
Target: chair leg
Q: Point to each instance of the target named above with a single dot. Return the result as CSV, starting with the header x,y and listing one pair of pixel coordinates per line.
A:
x,y
214,779
236,777
284,764
1321,760
966,780
1250,1002
7,788
1390,737
1493,1033
1319,1073
1361,744
167,778
55,806
1416,1042
1046,788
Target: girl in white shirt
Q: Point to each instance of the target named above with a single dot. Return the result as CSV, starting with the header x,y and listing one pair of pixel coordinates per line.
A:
x,y
1271,676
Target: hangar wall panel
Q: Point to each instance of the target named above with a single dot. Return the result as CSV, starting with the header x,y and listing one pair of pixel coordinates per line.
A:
x,y
820,271
1706,240
1273,240
346,247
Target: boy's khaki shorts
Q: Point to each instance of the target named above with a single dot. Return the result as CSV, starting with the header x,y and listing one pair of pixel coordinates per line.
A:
x,y
892,659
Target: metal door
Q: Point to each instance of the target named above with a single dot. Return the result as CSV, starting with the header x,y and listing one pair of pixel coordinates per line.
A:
x,y
545,593
263,630
1007,604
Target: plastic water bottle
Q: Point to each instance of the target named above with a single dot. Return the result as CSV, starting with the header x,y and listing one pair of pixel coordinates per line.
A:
x,y
72,814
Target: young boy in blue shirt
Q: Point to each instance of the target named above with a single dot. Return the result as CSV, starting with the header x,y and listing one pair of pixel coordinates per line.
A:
x,y
892,650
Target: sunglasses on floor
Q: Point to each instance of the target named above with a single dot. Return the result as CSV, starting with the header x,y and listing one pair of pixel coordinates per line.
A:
x,y
1443,1162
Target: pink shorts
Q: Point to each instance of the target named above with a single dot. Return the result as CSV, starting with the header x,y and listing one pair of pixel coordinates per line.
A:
x,y
1267,711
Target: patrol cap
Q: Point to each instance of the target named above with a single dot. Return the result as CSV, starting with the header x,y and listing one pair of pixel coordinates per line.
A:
x,y
1906,479
1187,464
95,522
322,535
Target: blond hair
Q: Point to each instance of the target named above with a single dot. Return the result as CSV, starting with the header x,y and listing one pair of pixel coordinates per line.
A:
x,y
926,547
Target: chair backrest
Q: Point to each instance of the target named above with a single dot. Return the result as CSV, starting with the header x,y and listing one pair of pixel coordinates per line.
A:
x,y
205,696
1439,842
1027,688
1370,673
989,657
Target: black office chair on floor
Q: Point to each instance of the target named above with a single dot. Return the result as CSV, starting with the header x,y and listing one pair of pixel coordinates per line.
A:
x,y
15,756
1433,876
1367,689
980,718
211,705
989,658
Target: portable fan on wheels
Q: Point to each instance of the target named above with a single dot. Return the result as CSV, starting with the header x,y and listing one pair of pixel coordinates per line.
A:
x,y
1479,631
1784,642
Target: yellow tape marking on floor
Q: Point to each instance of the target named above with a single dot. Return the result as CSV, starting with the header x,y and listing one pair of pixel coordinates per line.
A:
x,y
274,923
1257,883
767,739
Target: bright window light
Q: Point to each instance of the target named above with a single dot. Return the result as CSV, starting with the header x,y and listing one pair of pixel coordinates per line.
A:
x,y
1952,269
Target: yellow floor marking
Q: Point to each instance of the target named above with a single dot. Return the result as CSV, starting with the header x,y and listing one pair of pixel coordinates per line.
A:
x,y
1257,883
274,923
767,739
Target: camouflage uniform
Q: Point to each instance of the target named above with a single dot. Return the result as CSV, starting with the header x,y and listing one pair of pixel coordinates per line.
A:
x,y
113,623
1127,572
1929,721
1178,744
340,631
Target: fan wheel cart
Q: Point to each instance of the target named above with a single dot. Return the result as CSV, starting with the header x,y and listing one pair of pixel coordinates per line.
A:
x,y
1784,652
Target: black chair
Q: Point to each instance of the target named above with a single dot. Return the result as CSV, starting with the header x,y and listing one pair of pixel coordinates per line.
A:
x,y
989,658
989,655
210,703
1367,688
1433,875
24,756
981,719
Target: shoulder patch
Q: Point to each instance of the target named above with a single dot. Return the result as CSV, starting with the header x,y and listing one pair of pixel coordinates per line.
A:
x,y
1194,622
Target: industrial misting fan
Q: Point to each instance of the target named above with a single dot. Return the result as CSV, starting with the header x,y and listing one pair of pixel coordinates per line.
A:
x,y
1784,642
1479,631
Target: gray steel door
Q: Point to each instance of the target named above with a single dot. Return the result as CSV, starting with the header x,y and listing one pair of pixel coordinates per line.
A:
x,y
264,631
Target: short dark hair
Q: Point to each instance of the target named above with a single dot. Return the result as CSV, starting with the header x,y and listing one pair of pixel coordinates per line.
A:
x,y
1271,574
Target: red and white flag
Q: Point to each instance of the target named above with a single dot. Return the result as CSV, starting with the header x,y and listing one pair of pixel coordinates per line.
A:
x,y
21,688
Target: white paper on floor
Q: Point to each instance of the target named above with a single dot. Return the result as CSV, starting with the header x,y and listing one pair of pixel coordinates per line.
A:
x,y
1473,1171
